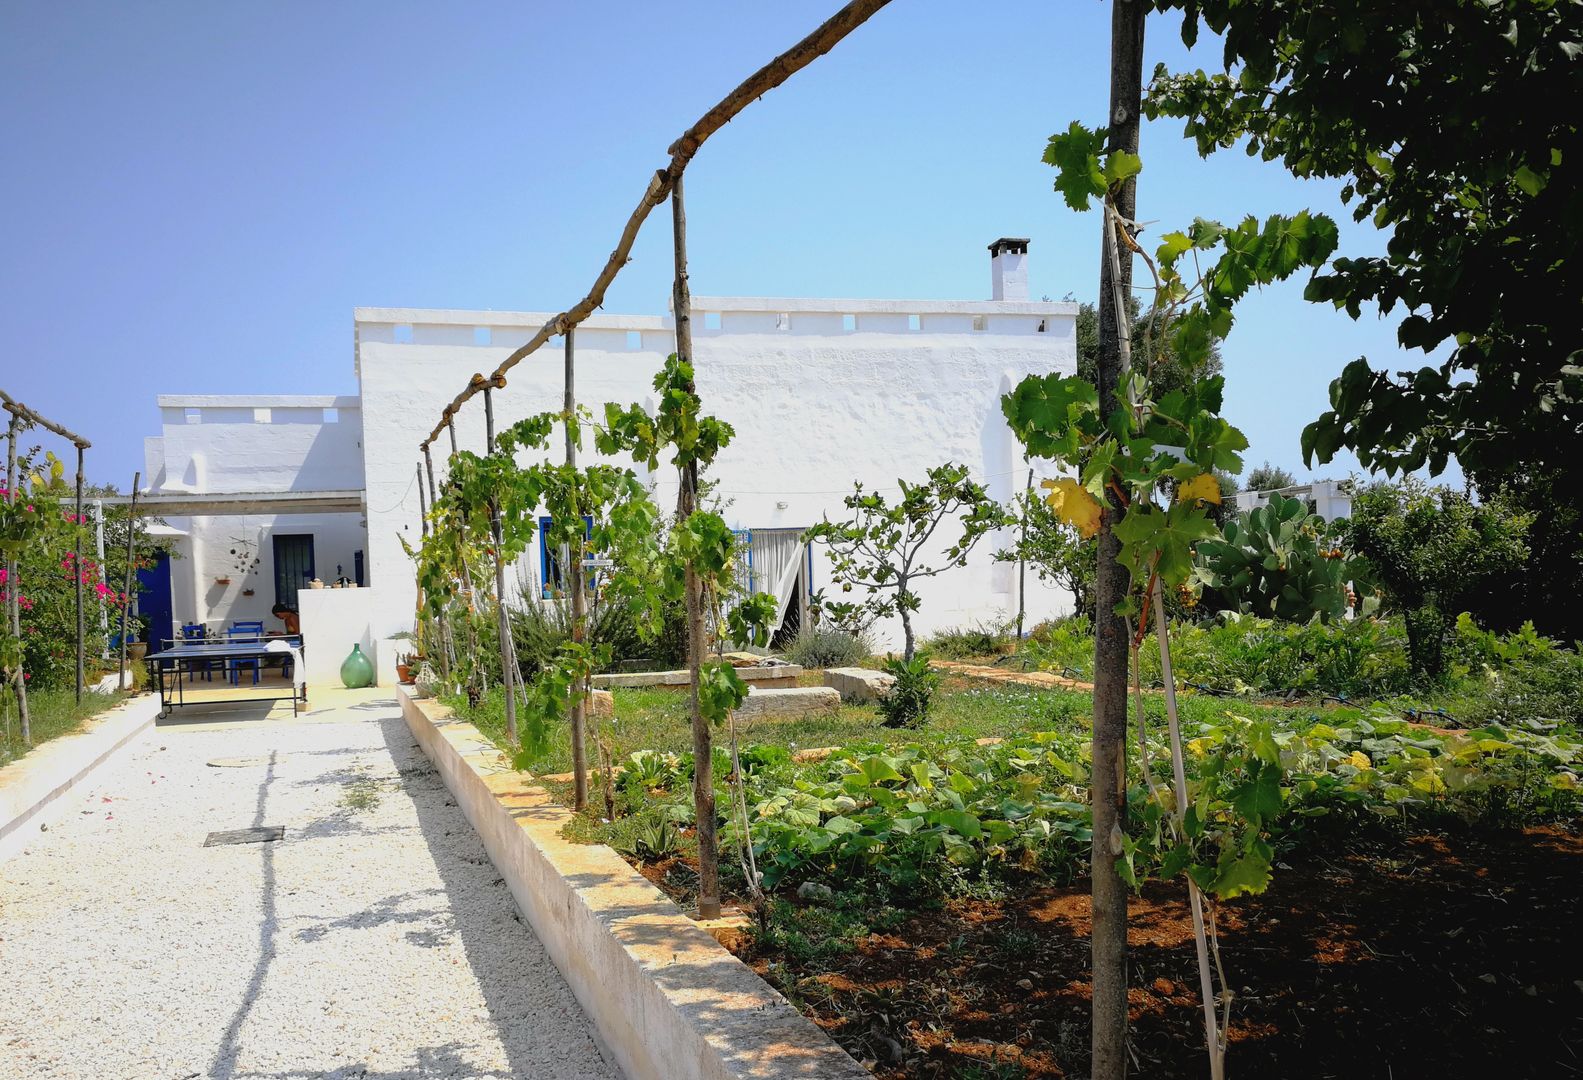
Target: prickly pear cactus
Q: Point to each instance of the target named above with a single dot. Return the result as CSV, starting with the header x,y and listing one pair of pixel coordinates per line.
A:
x,y
1276,562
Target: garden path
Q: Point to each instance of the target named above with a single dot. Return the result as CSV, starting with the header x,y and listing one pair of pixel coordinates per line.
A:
x,y
375,940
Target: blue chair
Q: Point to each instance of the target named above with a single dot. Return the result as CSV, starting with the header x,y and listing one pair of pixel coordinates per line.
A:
x,y
197,634
245,632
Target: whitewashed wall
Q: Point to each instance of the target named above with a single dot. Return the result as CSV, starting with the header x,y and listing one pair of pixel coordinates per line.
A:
x,y
821,393
265,444
205,556
256,444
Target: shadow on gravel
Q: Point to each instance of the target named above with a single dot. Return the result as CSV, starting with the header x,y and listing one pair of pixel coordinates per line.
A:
x,y
224,1066
465,871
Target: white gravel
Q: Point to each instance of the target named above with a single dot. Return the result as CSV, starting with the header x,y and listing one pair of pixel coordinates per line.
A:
x,y
371,942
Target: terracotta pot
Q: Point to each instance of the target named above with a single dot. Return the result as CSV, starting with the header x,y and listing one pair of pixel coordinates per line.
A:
x,y
404,674
222,581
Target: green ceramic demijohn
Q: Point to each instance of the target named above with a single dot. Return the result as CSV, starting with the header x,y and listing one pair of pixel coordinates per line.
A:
x,y
356,671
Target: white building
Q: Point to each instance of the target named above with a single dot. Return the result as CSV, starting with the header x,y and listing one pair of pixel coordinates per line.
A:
x,y
821,393
1330,499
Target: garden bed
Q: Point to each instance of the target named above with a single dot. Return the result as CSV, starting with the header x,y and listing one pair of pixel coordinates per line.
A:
x,y
928,907
1438,955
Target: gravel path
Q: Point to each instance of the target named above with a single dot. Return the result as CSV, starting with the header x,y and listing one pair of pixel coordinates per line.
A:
x,y
375,940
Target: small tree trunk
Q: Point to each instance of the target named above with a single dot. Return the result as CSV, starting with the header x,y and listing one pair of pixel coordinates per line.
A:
x,y
1109,938
579,604
686,503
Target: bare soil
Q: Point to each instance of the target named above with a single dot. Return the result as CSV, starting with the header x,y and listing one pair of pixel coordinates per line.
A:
x,y
1444,956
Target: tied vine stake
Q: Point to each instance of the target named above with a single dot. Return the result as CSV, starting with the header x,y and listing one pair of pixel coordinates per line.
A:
x,y
1155,457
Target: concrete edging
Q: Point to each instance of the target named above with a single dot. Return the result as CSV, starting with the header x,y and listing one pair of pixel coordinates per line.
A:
x,y
668,1000
33,789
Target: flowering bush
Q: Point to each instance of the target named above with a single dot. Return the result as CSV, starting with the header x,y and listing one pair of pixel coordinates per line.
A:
x,y
40,530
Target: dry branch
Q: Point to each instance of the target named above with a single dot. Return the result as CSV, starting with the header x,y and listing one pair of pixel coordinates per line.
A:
x,y
822,40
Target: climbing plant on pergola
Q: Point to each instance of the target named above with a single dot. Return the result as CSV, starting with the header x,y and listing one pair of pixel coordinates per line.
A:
x,y
25,521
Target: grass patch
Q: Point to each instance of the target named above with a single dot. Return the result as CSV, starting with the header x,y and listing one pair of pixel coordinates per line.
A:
x,y
362,794
52,713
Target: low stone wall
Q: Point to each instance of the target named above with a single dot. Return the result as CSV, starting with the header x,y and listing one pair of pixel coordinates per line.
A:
x,y
33,790
778,675
669,1001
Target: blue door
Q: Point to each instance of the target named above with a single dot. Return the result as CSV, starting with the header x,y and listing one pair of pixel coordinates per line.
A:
x,y
153,600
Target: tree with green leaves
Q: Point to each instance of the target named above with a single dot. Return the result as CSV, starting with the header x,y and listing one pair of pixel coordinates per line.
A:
x,y
1455,126
1436,553
1268,477
886,548
1055,550
1170,373
692,562
1146,464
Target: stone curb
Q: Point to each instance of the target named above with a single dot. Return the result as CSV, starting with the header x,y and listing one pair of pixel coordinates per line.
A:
x,y
33,789
669,1001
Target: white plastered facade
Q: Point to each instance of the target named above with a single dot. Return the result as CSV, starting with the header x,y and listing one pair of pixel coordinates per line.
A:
x,y
269,446
821,394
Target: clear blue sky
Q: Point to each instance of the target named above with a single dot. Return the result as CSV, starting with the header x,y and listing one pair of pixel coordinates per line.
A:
x,y
197,195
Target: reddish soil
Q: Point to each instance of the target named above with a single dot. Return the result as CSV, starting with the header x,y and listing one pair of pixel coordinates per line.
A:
x,y
1442,956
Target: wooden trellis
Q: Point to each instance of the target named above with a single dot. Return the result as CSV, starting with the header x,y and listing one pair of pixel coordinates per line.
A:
x,y
665,183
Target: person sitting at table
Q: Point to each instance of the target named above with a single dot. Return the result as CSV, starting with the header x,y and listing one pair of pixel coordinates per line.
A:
x,y
288,616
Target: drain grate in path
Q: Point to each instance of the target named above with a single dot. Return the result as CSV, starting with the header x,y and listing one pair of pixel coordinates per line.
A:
x,y
262,835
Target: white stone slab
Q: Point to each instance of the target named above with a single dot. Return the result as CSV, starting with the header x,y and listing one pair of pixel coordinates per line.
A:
x,y
858,685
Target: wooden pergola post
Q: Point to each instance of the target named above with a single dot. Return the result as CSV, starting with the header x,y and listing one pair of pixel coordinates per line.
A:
x,y
686,503
13,607
77,523
574,579
131,531
508,677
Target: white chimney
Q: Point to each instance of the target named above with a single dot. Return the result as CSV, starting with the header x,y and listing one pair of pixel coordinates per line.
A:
x,y
1008,268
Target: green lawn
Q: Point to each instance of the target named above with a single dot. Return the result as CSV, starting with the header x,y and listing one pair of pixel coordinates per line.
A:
x,y
52,713
658,720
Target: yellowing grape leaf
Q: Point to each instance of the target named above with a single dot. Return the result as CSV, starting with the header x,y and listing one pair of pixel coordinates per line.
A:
x,y
1073,505
1361,760
1203,486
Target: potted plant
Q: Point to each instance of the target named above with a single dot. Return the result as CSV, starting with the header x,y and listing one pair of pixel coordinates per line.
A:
x,y
404,665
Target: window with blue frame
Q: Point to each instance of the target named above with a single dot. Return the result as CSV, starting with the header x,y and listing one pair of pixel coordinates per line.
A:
x,y
550,575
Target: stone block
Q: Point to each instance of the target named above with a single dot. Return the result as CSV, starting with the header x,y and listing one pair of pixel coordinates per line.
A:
x,y
858,685
769,675
787,702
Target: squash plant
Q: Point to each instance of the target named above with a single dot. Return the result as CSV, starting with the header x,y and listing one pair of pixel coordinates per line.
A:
x,y
1154,458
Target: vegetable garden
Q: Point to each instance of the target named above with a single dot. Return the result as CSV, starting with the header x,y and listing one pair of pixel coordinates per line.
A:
x,y
1318,741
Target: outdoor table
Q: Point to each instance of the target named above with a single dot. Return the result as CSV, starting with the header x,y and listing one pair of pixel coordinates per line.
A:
x,y
172,668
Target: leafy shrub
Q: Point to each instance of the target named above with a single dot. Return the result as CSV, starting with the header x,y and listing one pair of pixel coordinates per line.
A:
x,y
1349,658
906,703
1065,644
1520,678
1435,552
540,628
964,642
825,647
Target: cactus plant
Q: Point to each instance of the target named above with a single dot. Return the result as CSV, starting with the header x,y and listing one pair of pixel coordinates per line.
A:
x,y
1277,562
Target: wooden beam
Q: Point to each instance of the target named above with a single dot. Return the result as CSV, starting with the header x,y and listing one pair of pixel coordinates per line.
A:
x,y
16,408
822,40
